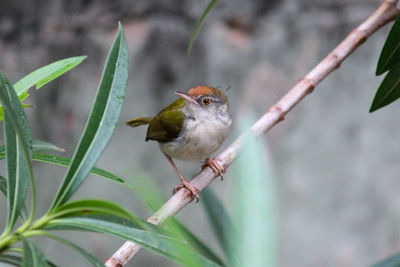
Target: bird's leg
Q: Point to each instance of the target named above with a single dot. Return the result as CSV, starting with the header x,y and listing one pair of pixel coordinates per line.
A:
x,y
184,183
215,166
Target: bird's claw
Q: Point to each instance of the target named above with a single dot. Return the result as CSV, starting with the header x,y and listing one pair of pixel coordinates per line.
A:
x,y
215,167
193,190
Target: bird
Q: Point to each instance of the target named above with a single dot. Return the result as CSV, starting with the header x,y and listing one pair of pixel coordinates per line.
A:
x,y
190,129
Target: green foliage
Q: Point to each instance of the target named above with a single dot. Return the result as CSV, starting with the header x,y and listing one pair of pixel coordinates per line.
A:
x,y
174,241
102,120
18,152
43,76
198,24
389,60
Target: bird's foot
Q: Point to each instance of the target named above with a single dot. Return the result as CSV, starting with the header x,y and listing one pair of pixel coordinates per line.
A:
x,y
215,166
194,190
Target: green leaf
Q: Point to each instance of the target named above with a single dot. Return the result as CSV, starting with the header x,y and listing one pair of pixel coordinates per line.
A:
x,y
390,55
32,256
218,217
62,161
3,188
254,241
198,24
92,259
388,91
38,146
102,120
11,259
153,241
18,152
46,74
392,261
43,76
91,206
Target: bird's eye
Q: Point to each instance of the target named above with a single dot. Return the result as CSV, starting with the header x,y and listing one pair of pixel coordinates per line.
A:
x,y
205,101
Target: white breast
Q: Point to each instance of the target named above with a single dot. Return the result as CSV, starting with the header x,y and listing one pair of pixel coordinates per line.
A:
x,y
200,137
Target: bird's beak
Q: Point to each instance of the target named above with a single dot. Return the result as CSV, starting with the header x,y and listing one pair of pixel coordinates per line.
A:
x,y
186,97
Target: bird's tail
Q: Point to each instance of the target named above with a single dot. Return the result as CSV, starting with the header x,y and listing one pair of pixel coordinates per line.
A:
x,y
139,121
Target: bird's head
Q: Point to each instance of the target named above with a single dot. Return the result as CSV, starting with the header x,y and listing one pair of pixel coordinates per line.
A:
x,y
205,101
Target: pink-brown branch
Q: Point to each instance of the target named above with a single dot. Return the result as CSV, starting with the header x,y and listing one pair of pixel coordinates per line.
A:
x,y
386,12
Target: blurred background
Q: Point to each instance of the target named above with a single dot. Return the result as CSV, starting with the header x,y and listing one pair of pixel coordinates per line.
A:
x,y
336,165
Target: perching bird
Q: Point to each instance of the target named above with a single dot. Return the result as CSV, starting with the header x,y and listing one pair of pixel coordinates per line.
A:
x,y
190,129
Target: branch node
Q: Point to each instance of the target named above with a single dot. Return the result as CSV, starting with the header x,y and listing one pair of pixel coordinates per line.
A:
x,y
276,108
309,83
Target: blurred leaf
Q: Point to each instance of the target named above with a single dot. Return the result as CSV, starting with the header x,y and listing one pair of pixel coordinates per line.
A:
x,y
3,188
32,256
254,242
175,250
390,55
388,91
18,152
217,216
11,259
198,24
92,259
102,120
392,261
42,76
46,74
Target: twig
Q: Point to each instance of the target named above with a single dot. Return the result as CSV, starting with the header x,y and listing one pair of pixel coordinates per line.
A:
x,y
386,12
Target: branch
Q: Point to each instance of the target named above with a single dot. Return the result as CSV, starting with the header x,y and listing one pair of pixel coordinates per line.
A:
x,y
386,12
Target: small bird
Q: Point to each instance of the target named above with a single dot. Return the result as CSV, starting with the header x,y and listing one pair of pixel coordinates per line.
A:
x,y
190,129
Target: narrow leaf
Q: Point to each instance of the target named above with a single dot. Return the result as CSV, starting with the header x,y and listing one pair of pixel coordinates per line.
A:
x,y
3,188
46,74
390,55
92,259
218,217
388,91
65,162
102,119
62,161
198,24
32,256
18,151
43,76
38,146
90,206
155,242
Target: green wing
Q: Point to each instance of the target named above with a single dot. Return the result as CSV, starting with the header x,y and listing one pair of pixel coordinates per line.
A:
x,y
167,124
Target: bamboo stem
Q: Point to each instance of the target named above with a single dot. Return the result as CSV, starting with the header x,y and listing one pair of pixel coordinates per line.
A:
x,y
386,12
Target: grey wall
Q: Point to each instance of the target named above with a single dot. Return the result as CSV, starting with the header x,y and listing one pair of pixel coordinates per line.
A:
x,y
336,165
